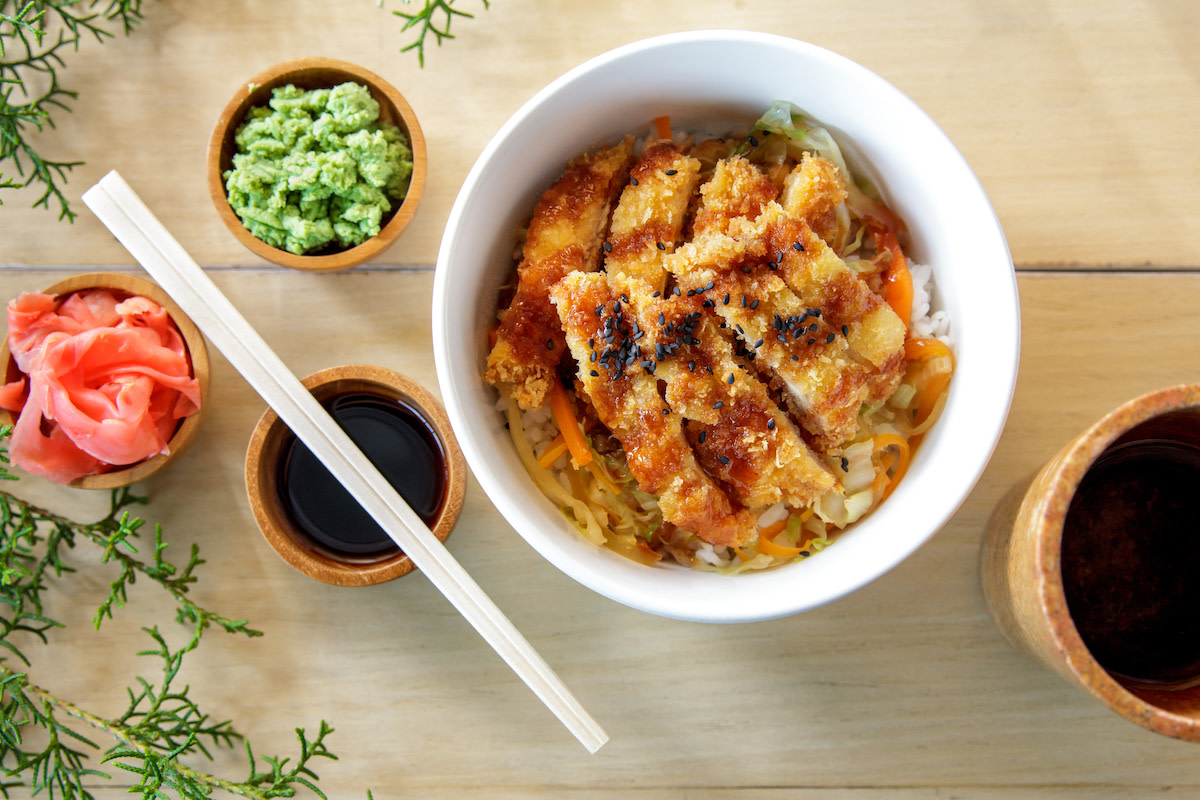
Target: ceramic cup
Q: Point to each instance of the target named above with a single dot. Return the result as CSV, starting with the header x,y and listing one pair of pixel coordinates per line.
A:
x,y
1023,559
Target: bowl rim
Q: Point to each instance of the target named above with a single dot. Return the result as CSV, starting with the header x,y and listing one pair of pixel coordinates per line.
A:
x,y
197,349
252,93
763,588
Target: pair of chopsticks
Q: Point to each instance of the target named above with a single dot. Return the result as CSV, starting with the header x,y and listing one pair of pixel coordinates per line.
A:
x,y
124,213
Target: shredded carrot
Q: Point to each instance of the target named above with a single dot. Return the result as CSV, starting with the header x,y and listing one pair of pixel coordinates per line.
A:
x,y
767,545
882,478
886,440
551,453
773,530
927,400
560,404
925,349
662,126
897,280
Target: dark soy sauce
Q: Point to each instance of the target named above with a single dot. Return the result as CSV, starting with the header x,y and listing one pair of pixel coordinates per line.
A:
x,y
1131,563
397,441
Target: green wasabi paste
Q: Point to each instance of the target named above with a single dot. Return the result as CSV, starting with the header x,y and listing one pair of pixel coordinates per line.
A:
x,y
317,169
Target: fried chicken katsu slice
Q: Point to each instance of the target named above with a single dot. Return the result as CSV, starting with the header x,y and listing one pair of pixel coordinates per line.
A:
x,y
625,397
649,217
565,235
737,189
788,341
814,191
873,331
739,434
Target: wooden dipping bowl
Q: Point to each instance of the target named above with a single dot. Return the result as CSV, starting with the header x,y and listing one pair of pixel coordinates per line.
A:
x,y
264,466
308,74
197,354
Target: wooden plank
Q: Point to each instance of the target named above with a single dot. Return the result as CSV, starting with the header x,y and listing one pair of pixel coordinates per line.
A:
x,y
1078,117
903,690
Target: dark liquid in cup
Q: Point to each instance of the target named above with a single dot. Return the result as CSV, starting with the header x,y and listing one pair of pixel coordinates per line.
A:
x,y
402,447
1131,563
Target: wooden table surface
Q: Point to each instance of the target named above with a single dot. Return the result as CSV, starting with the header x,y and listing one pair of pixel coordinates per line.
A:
x,y
1080,119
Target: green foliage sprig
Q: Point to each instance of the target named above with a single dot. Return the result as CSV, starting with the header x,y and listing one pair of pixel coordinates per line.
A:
x,y
35,36
435,17
162,729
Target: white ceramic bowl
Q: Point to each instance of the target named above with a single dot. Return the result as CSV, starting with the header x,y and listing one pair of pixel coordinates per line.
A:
x,y
698,78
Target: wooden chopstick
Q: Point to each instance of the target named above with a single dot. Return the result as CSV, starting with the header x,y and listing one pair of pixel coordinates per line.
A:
x,y
123,212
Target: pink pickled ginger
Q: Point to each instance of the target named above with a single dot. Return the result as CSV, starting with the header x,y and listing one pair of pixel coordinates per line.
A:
x,y
106,382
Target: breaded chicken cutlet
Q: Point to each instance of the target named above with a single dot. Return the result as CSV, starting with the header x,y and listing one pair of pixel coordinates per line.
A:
x,y
650,215
564,236
740,435
624,395
812,326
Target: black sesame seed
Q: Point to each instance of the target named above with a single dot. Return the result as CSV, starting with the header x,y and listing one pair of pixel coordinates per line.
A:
x,y
725,300
730,378
656,293
723,459
753,304
594,374
691,366
549,344
812,341
795,357
661,246
845,464
703,435
845,330
666,411
677,292
771,424
608,247
798,247
708,286
634,181
829,339
672,172
754,141
718,405
758,344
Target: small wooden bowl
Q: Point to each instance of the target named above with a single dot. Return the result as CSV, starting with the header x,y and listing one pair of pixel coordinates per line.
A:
x,y
197,354
264,465
315,73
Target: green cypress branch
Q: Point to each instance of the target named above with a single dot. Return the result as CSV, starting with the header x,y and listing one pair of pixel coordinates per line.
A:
x,y
433,18
162,728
